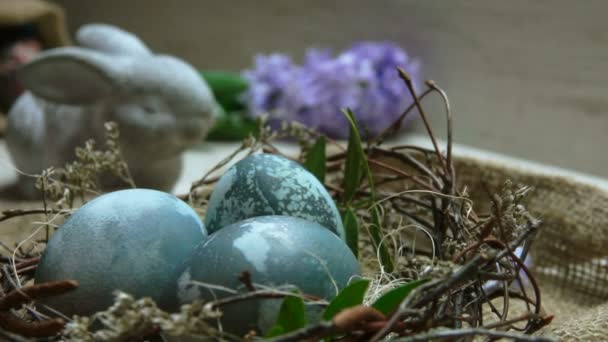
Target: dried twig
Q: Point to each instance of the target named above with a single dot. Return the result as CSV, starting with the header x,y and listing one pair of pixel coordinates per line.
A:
x,y
23,295
49,327
451,334
360,318
410,85
12,213
6,335
26,294
257,294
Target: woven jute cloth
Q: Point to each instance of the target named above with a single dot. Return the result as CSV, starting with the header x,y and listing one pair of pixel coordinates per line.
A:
x,y
570,252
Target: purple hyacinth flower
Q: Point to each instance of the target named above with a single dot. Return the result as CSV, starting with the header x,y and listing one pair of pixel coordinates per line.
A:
x,y
362,78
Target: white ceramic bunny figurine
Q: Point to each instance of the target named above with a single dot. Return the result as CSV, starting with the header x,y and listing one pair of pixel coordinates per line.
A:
x,y
161,104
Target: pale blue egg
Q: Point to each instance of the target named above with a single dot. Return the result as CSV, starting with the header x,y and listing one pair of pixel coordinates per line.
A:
x,y
267,184
132,240
277,251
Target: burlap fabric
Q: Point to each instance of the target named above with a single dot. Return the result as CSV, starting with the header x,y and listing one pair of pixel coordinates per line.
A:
x,y
568,253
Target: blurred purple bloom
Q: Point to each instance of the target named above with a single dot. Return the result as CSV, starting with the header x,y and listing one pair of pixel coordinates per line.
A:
x,y
362,78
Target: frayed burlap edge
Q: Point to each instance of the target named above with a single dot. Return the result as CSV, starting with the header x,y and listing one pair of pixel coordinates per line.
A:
x,y
570,252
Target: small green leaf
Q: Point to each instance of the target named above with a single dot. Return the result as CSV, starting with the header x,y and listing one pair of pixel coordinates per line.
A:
x,y
353,170
375,229
356,167
232,126
292,316
223,82
227,87
351,228
315,160
350,296
389,301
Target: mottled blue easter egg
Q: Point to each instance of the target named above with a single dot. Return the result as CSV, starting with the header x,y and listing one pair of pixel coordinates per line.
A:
x,y
132,240
266,184
277,251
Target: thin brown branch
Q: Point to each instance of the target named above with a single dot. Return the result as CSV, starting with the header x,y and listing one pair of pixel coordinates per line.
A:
x,y
396,125
410,86
44,328
413,162
416,179
452,334
218,166
524,317
311,332
23,295
449,119
6,335
12,213
257,294
27,263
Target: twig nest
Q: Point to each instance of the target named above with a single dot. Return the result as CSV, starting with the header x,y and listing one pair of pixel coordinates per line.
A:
x,y
130,240
278,252
266,184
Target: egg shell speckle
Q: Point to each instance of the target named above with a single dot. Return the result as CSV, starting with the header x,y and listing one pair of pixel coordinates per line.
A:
x,y
132,240
266,184
276,251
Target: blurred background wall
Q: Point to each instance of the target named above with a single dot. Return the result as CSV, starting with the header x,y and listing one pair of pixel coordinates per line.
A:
x,y
525,78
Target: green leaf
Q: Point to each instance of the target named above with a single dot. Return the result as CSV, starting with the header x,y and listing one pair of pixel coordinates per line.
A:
x,y
351,227
389,301
375,229
292,316
356,167
350,296
227,87
353,170
223,82
315,160
232,126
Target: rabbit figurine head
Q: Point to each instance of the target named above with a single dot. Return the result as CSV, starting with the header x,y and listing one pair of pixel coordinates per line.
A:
x,y
161,104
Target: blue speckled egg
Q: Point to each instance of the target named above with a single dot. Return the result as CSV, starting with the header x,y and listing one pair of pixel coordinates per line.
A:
x,y
132,240
277,251
266,184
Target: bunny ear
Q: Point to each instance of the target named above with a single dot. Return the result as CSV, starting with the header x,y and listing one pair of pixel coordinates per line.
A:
x,y
110,39
71,75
